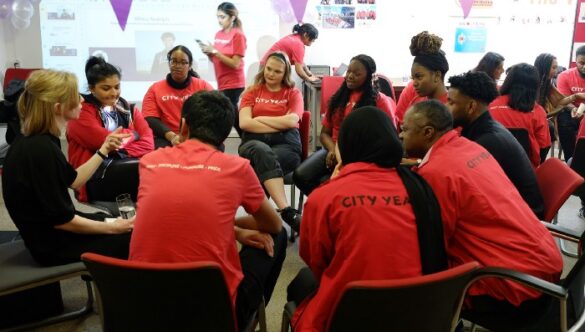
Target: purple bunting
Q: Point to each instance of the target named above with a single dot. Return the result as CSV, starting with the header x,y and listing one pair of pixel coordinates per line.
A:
x,y
299,7
466,6
122,10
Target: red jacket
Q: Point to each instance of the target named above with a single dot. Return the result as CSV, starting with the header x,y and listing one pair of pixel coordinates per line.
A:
x,y
87,134
486,220
358,226
534,122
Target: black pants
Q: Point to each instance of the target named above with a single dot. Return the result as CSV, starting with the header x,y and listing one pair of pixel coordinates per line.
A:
x,y
568,127
119,177
498,315
312,172
260,275
161,142
70,245
272,155
234,96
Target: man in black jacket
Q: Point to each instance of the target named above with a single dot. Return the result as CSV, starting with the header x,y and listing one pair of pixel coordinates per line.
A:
x,y
469,96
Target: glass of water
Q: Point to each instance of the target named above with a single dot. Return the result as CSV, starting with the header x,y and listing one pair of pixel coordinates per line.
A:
x,y
125,206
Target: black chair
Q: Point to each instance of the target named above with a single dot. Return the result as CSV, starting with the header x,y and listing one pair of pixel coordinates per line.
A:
x,y
139,296
570,310
425,303
385,86
20,272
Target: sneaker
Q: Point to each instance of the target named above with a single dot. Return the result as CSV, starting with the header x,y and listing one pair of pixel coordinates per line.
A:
x,y
292,217
581,213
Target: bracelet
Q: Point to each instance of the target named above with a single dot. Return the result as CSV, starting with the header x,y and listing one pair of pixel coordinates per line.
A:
x,y
103,156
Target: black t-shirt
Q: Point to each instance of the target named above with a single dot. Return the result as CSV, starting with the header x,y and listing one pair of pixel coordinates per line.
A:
x,y
35,180
490,134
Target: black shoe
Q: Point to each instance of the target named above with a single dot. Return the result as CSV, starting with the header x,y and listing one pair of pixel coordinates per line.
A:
x,y
292,217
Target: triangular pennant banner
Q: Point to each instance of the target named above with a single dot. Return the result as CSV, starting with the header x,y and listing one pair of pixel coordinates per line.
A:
x,y
122,10
299,7
466,5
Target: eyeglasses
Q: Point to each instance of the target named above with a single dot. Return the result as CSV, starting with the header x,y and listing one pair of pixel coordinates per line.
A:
x,y
178,63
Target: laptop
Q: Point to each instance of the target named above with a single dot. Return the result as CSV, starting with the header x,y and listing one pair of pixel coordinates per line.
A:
x,y
340,71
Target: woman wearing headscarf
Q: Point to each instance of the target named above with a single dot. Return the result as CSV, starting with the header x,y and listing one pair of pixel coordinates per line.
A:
x,y
372,210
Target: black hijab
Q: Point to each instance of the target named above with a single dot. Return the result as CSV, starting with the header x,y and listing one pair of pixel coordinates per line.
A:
x,y
368,135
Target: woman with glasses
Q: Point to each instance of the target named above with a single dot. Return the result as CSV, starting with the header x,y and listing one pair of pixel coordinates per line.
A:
x,y
270,112
162,103
227,54
103,110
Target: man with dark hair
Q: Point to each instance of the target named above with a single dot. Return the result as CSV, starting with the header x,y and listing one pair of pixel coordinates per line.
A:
x,y
484,218
187,202
469,96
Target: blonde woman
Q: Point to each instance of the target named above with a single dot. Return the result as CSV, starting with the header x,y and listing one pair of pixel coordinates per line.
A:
x,y
270,111
37,175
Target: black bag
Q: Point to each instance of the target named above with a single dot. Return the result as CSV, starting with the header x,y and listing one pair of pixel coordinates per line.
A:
x,y
9,111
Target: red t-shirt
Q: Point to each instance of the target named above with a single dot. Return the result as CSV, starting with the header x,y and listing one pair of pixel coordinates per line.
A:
x,y
358,226
268,103
383,102
486,220
187,201
534,122
291,45
87,134
409,97
229,44
164,102
570,82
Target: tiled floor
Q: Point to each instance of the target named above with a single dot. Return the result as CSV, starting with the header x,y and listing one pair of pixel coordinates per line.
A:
x,y
74,290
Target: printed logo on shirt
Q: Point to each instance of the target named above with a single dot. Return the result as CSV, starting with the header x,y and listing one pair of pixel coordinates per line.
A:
x,y
577,89
186,167
475,161
171,98
222,41
270,101
373,200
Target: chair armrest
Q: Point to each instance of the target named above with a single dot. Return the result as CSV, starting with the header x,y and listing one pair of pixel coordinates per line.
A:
x,y
562,232
533,282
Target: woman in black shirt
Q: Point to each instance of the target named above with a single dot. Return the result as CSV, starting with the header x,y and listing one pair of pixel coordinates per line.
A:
x,y
36,177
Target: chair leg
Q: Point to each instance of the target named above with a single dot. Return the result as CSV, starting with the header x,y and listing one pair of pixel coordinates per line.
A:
x,y
262,316
292,194
284,327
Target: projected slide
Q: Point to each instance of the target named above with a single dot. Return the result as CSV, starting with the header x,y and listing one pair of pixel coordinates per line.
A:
x,y
71,31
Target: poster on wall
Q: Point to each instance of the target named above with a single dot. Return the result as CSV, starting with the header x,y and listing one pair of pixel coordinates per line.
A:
x,y
470,39
336,17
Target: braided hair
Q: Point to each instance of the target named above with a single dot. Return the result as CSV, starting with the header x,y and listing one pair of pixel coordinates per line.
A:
x,y
543,65
426,49
369,96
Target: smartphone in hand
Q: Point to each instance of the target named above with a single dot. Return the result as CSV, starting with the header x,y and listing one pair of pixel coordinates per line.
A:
x,y
199,42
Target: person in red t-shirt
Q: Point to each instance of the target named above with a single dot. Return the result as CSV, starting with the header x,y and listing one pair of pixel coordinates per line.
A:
x,y
516,108
293,46
356,91
188,198
368,212
428,73
162,102
270,111
484,218
102,112
226,53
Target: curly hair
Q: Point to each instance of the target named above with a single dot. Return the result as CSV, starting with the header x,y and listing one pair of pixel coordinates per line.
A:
x,y
426,49
521,85
369,96
475,84
543,65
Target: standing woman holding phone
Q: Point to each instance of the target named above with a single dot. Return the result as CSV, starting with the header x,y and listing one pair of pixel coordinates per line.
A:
x,y
227,52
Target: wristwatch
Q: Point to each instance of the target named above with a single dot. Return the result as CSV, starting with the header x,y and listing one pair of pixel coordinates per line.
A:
x,y
103,156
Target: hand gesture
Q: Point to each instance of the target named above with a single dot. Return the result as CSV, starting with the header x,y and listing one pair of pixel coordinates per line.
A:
x,y
330,160
113,141
257,240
